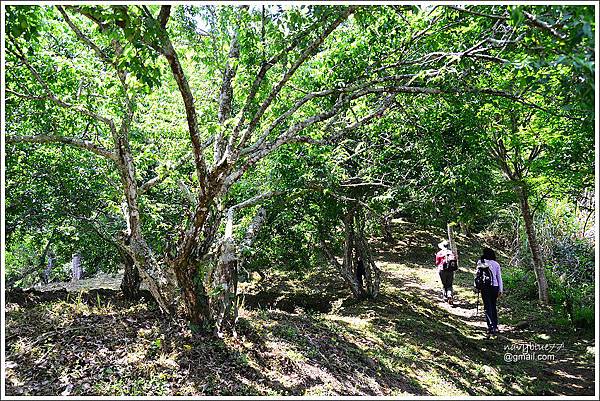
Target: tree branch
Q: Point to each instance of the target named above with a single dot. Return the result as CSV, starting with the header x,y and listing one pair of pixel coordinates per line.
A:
x,y
65,140
288,74
192,118
163,17
226,100
101,55
122,75
49,94
265,67
161,177
534,21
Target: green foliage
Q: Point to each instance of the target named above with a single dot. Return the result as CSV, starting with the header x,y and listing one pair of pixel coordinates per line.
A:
x,y
570,262
427,157
520,281
572,285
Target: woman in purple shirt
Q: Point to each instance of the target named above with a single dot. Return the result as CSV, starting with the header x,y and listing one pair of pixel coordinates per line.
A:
x,y
490,294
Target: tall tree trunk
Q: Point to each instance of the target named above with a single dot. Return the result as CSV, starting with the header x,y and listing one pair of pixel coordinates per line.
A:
x,y
538,265
356,246
464,228
348,275
152,274
137,247
223,280
372,272
189,267
195,300
386,228
451,242
47,267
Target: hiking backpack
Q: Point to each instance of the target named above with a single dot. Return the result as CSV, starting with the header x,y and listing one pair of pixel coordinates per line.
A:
x,y
483,276
450,263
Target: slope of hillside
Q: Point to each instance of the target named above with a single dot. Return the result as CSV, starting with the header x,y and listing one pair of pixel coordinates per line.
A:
x,y
306,337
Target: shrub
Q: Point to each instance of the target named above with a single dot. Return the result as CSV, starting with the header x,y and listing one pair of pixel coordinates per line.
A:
x,y
520,281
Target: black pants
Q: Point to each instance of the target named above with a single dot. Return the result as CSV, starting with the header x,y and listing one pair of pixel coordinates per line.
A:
x,y
489,297
447,278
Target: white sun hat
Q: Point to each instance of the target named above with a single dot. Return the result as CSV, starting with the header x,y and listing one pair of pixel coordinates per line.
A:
x,y
443,245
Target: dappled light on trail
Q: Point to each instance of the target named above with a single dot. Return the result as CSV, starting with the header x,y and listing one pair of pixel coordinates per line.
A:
x,y
405,342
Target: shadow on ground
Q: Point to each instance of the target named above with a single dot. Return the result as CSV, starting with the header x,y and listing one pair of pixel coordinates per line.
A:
x,y
298,336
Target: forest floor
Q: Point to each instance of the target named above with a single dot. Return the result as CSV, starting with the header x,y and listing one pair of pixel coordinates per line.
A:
x,y
306,337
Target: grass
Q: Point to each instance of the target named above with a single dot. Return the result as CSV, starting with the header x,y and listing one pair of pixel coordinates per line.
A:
x,y
404,343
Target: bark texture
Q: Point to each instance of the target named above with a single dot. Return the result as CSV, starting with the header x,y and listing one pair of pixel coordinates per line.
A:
x,y
76,270
538,264
130,285
355,247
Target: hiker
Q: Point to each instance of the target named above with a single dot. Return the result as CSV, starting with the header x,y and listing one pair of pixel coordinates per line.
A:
x,y
445,261
491,288
360,272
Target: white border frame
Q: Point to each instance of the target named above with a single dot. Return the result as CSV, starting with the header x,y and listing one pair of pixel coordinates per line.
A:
x,y
287,2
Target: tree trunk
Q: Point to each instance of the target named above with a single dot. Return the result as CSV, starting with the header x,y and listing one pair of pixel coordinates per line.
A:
x,y
451,242
464,228
356,246
348,266
137,247
372,272
538,265
386,228
223,279
222,285
190,269
152,274
76,271
347,274
195,299
48,269
130,285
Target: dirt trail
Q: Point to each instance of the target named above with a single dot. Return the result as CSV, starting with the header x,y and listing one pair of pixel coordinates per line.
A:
x,y
562,358
562,362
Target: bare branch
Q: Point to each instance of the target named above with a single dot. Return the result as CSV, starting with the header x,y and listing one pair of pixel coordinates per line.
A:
x,y
87,145
543,25
192,118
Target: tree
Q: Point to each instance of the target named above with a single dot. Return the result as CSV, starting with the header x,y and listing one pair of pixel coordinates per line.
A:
x,y
269,78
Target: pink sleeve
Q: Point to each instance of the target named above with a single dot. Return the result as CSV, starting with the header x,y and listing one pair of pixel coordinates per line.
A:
x,y
438,259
